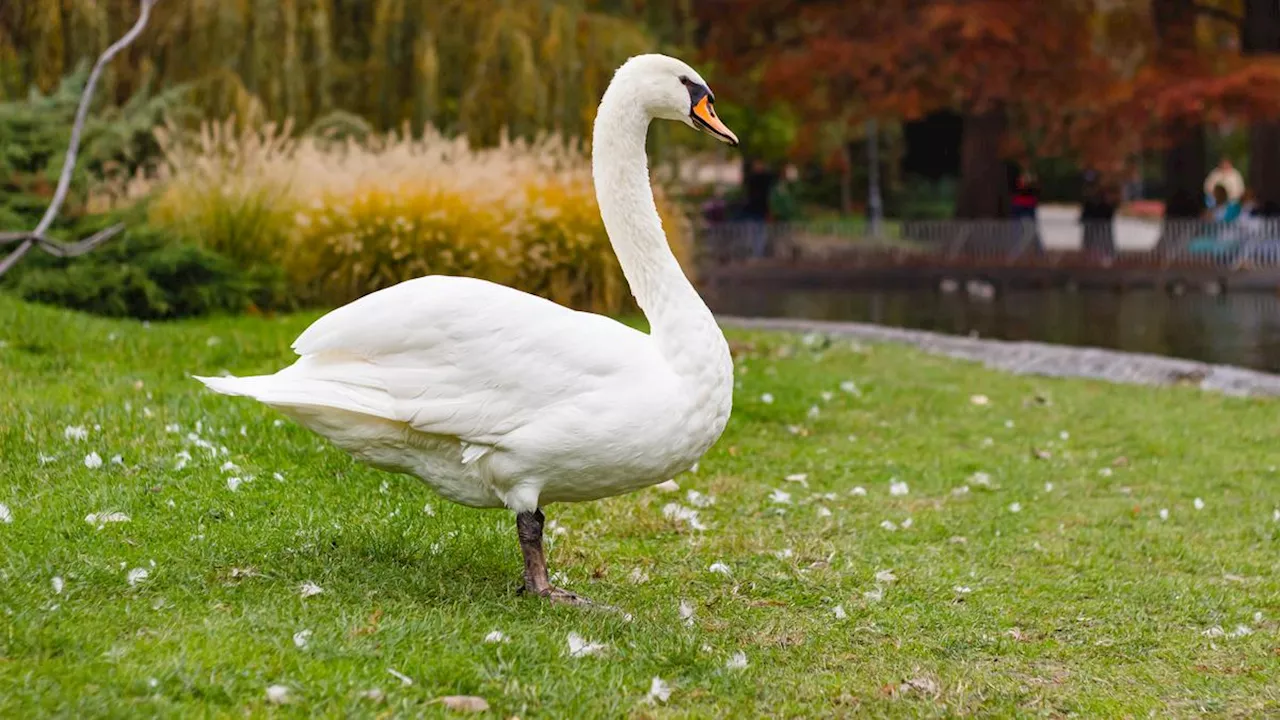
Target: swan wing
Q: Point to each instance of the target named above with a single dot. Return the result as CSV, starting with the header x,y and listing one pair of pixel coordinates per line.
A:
x,y
467,358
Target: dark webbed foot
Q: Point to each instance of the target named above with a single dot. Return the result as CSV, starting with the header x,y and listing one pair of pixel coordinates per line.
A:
x,y
536,581
558,596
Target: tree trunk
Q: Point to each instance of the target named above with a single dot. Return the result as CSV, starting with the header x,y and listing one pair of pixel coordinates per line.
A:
x,y
1184,173
758,179
984,181
846,179
1185,165
1260,35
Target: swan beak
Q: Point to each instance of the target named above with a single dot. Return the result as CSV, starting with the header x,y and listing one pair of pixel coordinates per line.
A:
x,y
704,116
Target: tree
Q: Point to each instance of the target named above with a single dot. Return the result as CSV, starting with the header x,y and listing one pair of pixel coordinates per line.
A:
x,y
1260,32
849,60
480,67
1189,74
1185,162
38,237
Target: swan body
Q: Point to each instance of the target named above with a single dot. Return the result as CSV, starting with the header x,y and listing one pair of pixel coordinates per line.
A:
x,y
498,398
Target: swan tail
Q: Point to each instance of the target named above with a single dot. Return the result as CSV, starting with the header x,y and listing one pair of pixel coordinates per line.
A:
x,y
285,392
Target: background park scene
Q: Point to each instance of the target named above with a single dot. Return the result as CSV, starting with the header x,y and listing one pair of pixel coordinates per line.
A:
x,y
886,528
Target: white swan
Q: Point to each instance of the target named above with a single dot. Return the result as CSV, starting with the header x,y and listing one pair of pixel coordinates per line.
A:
x,y
498,398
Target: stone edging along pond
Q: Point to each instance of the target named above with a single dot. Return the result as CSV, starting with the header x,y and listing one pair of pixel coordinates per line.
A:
x,y
1032,358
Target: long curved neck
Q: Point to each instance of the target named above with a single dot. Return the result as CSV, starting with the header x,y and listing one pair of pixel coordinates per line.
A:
x,y
679,320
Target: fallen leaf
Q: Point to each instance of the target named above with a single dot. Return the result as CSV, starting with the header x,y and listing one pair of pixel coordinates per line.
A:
x,y
106,517
370,627
463,703
922,685
801,478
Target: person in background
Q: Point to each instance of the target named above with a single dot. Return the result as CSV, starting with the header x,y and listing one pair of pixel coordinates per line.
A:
x,y
1132,190
1224,209
1227,177
1097,215
758,191
1249,207
715,209
1222,239
1026,197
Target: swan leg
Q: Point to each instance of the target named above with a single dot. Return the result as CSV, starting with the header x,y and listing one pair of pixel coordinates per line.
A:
x,y
536,581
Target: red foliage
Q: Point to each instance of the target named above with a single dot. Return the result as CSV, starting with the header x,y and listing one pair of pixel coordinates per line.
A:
x,y
1069,78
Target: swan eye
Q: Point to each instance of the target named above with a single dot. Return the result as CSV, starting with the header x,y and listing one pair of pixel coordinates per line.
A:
x,y
697,91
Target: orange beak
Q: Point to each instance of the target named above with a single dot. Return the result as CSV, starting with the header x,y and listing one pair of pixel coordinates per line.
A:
x,y
704,115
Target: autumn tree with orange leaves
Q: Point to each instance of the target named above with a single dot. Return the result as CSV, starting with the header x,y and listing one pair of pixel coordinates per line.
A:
x,y
1099,81
1198,64
999,63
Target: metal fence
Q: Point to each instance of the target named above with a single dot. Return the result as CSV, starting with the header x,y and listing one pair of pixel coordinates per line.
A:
x,y
1243,244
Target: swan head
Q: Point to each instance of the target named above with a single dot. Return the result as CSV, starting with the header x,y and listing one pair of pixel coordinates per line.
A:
x,y
668,89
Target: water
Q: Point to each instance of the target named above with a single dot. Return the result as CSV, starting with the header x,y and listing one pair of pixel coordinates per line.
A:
x,y
1241,330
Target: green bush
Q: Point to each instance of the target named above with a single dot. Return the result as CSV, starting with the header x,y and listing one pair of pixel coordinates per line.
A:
x,y
145,274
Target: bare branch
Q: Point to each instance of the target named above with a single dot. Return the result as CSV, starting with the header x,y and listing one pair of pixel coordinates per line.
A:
x,y
65,250
16,255
37,236
13,237
82,112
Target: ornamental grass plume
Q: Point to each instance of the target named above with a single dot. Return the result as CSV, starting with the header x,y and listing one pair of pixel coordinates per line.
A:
x,y
342,218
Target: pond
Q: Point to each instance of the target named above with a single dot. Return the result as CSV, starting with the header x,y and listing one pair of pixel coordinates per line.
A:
x,y
1242,329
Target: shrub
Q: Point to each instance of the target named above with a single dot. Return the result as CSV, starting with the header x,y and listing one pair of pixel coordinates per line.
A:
x,y
344,218
145,274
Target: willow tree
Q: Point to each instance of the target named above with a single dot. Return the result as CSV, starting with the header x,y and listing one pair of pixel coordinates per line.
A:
x,y
476,66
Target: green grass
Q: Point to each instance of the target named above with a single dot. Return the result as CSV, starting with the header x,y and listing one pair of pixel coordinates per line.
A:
x,y
1083,603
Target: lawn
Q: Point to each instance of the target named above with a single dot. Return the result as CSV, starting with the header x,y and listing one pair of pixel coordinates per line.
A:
x,y
892,534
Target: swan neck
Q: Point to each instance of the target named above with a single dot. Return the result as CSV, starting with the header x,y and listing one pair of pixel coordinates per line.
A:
x,y
621,173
